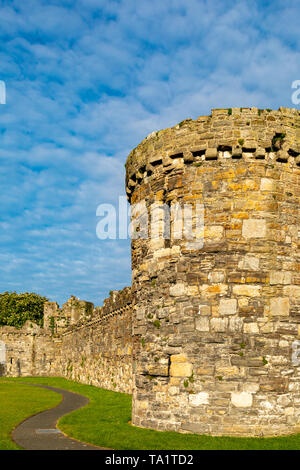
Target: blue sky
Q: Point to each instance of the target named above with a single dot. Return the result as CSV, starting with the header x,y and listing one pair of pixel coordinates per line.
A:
x,y
86,81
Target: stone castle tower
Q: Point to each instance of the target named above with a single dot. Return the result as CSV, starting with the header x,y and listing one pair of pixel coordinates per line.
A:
x,y
217,325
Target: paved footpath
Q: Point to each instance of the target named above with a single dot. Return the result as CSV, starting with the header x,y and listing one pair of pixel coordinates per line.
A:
x,y
39,432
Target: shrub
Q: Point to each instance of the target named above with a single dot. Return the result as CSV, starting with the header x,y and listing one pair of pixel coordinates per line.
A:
x,y
16,309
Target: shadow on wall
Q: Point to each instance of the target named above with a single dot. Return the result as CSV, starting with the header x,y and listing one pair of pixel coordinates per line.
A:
x,y
19,367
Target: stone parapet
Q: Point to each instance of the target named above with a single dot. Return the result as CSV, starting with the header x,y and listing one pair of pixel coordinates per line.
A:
x,y
236,133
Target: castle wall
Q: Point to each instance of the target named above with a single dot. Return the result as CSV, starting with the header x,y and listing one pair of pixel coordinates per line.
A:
x,y
96,350
29,351
216,325
99,351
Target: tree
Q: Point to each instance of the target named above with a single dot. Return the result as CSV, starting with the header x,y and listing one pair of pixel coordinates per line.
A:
x,y
16,309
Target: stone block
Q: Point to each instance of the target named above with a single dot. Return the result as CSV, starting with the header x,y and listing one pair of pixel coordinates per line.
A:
x,y
213,290
292,291
280,306
280,277
188,157
235,324
227,371
228,306
142,404
215,232
159,369
254,228
241,399
211,153
177,290
140,313
251,328
198,428
237,152
178,358
216,276
205,370
247,290
250,387
156,243
198,399
249,263
219,324
173,390
202,323
204,310
181,369
260,153
266,184
192,290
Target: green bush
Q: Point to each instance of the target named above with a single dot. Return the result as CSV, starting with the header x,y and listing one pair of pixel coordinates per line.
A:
x,y
16,309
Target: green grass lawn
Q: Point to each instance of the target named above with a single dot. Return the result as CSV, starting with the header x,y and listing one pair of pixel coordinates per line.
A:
x,y
105,422
18,402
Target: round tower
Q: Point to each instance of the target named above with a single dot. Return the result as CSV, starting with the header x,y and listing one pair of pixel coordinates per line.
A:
x,y
217,314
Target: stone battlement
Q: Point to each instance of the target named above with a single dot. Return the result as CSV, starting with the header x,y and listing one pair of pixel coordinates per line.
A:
x,y
118,303
228,134
77,313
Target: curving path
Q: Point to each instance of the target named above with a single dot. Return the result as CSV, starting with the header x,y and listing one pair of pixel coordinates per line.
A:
x,y
39,432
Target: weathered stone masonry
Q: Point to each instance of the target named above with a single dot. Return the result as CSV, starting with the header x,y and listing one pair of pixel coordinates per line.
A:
x,y
216,325
80,342
204,336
